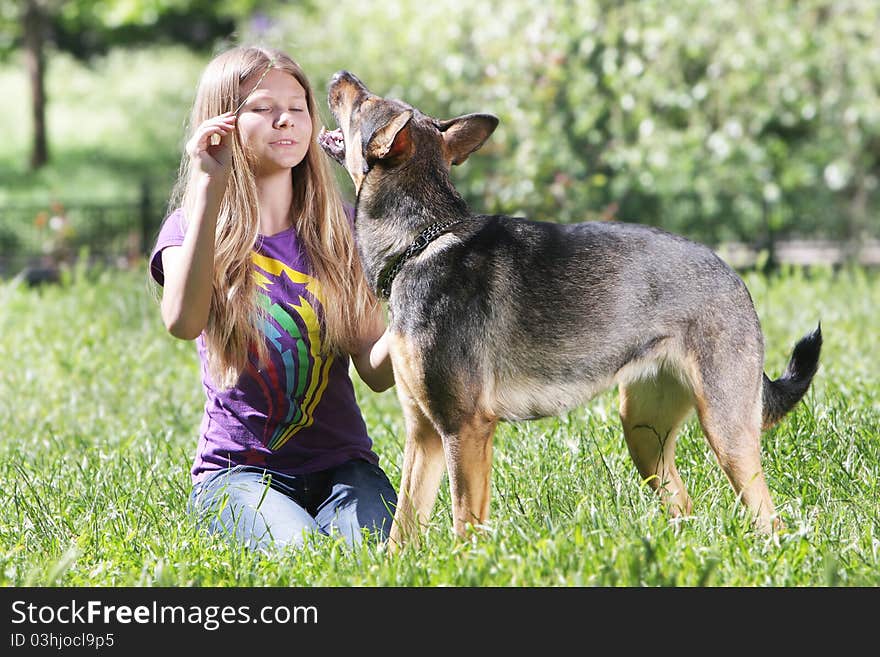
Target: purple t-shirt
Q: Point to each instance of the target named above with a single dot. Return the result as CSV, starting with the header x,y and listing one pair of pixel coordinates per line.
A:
x,y
296,414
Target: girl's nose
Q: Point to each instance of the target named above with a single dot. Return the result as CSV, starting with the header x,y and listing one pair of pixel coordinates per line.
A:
x,y
284,120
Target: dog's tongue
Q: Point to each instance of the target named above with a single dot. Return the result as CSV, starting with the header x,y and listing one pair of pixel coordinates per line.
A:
x,y
333,144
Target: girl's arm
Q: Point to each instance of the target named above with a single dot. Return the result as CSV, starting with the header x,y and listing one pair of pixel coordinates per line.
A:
x,y
186,297
373,360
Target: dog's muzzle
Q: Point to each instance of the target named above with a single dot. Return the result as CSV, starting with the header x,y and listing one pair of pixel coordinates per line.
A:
x,y
333,144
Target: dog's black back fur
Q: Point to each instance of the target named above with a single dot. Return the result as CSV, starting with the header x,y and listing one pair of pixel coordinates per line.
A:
x,y
576,317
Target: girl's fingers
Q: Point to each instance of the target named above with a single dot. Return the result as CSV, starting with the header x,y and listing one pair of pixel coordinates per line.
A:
x,y
220,122
223,127
210,133
224,124
210,136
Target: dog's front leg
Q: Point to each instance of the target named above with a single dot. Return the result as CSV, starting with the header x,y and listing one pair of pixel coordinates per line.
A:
x,y
421,474
469,463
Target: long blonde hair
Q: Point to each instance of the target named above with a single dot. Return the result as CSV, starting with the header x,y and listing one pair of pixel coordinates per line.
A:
x,y
317,214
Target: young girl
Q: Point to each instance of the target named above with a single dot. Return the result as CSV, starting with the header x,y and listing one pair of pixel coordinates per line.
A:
x,y
258,265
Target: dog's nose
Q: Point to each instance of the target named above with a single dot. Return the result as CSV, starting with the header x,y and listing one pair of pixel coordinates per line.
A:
x,y
344,84
347,77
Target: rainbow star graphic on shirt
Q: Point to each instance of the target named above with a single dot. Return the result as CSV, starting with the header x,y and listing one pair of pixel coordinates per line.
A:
x,y
303,385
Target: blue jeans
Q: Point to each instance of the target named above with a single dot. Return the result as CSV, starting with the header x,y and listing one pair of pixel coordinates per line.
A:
x,y
260,508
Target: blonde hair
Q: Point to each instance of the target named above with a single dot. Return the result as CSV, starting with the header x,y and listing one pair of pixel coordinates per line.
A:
x,y
317,214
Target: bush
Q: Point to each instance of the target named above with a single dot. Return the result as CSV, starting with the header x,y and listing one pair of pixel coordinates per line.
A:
x,y
717,120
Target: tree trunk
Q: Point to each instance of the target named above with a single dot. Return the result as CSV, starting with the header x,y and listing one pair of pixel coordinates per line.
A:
x,y
34,35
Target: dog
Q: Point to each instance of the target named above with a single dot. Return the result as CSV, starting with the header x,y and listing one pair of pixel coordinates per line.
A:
x,y
496,318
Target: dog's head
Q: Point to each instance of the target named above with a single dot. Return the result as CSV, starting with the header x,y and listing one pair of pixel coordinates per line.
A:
x,y
375,131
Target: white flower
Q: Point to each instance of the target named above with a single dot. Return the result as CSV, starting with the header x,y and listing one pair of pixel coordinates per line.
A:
x,y
733,128
634,66
719,145
771,192
836,175
658,159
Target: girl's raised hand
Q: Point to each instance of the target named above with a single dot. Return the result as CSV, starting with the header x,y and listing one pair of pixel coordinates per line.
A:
x,y
209,148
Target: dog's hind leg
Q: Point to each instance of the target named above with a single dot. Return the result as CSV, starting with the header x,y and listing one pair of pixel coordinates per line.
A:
x,y
651,410
729,408
469,464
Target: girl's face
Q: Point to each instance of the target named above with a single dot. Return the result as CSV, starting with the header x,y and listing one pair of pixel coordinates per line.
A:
x,y
274,122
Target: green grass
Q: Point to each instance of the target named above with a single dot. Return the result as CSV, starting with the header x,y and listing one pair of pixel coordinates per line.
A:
x,y
99,410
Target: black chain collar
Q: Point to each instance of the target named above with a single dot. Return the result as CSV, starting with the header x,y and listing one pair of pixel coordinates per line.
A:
x,y
421,243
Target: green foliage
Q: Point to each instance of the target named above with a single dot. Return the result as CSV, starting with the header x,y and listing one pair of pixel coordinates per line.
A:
x,y
113,124
88,27
718,120
99,410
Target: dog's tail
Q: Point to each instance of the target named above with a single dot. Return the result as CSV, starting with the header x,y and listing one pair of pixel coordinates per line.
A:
x,y
781,395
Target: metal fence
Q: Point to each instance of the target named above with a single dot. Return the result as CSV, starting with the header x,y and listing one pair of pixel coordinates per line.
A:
x,y
43,235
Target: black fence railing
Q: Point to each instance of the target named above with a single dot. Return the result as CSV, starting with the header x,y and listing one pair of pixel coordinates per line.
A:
x,y
37,235
41,238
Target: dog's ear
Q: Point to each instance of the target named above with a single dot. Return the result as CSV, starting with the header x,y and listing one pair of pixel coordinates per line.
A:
x,y
465,134
391,140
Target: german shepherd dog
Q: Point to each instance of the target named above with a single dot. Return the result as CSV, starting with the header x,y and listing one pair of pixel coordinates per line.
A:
x,y
501,318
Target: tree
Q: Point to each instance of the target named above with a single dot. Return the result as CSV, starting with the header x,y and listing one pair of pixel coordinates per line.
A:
x,y
34,30
86,28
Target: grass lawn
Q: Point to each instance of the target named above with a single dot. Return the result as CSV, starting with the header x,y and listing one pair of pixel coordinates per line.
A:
x,y
100,409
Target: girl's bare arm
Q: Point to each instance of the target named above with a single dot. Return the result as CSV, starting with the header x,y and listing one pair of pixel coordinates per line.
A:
x,y
186,298
373,360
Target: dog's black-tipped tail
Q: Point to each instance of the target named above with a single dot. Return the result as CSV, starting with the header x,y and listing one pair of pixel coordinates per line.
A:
x,y
781,395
